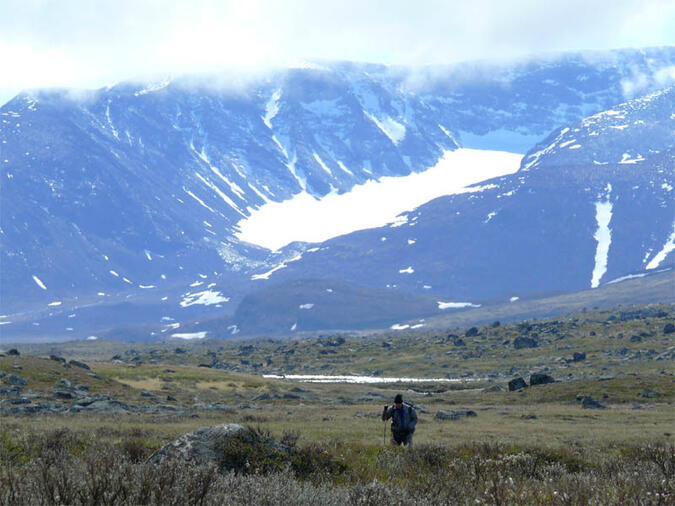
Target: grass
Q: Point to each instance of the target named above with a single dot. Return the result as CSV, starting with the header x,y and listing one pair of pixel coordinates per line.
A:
x,y
62,467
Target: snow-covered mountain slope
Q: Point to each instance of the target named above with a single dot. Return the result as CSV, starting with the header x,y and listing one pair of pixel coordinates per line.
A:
x,y
373,204
593,202
130,194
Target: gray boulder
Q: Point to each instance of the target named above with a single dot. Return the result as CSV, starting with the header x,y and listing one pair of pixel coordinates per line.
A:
x,y
106,406
588,402
522,342
539,378
578,356
13,379
454,414
208,446
77,363
517,384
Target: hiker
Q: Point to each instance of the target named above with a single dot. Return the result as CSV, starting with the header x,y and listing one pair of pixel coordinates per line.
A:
x,y
403,421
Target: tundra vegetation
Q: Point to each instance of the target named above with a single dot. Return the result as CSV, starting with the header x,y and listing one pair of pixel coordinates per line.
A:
x,y
80,420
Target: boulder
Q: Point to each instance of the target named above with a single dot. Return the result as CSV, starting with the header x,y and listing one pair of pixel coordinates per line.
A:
x,y
453,414
669,328
13,352
77,363
588,402
473,331
517,384
539,378
56,358
522,342
63,394
459,342
13,379
578,356
210,445
103,406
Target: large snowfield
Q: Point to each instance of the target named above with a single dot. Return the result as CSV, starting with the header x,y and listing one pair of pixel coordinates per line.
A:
x,y
374,203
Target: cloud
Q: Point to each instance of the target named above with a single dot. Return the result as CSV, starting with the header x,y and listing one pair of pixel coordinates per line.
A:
x,y
639,82
88,44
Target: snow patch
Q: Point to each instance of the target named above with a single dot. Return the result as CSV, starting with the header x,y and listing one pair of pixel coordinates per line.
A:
x,y
271,108
513,299
661,255
319,378
399,221
205,298
399,326
55,303
455,305
603,235
625,158
624,278
190,335
199,200
390,127
408,270
306,306
307,219
39,282
153,87
322,164
344,169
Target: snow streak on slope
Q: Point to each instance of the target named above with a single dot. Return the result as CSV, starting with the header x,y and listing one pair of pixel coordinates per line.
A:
x,y
304,218
661,255
603,234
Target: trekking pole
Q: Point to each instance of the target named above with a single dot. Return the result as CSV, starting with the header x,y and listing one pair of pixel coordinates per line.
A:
x,y
384,431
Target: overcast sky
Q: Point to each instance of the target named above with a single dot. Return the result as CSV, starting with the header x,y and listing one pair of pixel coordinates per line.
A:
x,y
92,43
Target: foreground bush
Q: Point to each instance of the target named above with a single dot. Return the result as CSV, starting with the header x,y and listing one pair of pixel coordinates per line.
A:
x,y
62,468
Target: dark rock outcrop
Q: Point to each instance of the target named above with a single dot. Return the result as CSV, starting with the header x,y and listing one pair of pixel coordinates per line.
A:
x,y
588,402
77,363
517,384
540,378
578,356
454,414
13,379
522,342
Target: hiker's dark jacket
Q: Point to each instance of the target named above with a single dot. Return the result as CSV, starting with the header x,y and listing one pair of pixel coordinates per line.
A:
x,y
402,420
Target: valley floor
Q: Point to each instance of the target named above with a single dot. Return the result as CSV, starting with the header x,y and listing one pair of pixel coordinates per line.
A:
x,y
602,432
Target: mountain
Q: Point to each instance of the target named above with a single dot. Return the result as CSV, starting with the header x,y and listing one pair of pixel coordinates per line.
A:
x,y
129,196
591,203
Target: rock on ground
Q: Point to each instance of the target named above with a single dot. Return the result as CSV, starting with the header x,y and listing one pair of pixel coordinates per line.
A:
x,y
208,445
517,384
539,378
454,414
